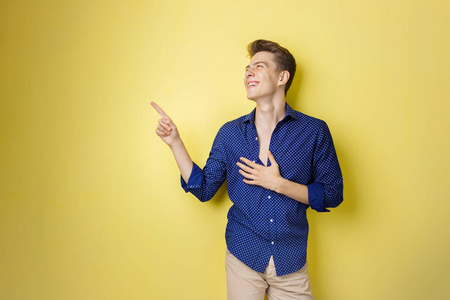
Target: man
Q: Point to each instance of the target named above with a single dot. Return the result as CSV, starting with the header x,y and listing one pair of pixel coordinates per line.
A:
x,y
277,162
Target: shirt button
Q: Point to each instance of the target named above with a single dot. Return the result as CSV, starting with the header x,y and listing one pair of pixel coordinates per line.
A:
x,y
271,220
256,138
269,197
273,243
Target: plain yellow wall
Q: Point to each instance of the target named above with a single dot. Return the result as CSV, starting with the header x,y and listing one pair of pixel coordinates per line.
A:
x,y
90,201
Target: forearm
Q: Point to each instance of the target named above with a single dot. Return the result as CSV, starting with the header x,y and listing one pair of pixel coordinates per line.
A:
x,y
168,132
182,158
296,191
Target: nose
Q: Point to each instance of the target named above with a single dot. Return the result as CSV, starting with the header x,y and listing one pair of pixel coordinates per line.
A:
x,y
249,72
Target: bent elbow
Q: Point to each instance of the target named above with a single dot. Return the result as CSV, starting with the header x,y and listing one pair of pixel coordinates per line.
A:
x,y
335,202
334,197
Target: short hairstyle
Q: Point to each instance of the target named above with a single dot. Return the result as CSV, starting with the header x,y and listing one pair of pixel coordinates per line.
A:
x,y
283,58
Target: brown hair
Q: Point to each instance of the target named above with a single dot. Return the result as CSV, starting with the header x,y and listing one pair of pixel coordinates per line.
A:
x,y
283,58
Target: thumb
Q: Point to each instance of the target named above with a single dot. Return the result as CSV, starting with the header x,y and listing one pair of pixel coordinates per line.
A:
x,y
171,123
168,121
272,159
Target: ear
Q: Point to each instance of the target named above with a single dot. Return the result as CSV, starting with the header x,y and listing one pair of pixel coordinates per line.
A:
x,y
284,77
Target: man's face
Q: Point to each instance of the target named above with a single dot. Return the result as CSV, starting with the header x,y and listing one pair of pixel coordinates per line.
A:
x,y
262,77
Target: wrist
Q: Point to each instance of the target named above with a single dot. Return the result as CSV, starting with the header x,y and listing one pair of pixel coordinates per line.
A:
x,y
176,144
279,182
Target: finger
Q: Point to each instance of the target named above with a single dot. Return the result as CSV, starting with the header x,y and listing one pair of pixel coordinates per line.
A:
x,y
251,182
159,110
245,168
272,159
165,125
161,133
249,162
161,129
169,122
247,175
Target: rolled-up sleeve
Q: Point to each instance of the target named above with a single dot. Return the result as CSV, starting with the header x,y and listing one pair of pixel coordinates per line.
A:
x,y
195,179
205,183
326,190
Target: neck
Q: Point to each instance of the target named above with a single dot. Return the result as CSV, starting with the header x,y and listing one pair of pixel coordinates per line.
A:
x,y
269,113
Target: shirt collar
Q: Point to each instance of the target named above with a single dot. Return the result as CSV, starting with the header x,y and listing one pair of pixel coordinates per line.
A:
x,y
289,113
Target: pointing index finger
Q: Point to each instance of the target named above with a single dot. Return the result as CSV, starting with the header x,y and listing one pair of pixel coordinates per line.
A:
x,y
159,110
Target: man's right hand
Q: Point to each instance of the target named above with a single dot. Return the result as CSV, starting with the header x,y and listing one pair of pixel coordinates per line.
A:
x,y
168,132
166,129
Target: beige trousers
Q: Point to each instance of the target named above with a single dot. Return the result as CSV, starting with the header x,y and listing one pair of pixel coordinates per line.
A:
x,y
243,283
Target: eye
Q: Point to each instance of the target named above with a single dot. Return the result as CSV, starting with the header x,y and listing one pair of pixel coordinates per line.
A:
x,y
259,66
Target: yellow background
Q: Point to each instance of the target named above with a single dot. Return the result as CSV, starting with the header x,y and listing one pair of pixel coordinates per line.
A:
x,y
90,202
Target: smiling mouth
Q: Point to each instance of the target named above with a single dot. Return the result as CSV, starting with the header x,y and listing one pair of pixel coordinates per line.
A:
x,y
252,83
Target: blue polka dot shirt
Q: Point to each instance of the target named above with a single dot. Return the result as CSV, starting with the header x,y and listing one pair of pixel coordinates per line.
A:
x,y
261,222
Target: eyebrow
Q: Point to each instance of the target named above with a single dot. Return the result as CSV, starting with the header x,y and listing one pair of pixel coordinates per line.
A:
x,y
257,62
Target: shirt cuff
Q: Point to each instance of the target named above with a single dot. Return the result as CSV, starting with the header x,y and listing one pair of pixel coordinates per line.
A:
x,y
195,179
315,197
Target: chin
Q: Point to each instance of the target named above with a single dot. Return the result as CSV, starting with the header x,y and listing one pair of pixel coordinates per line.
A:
x,y
251,97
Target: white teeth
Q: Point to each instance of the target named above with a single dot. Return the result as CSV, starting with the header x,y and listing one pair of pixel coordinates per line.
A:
x,y
252,84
